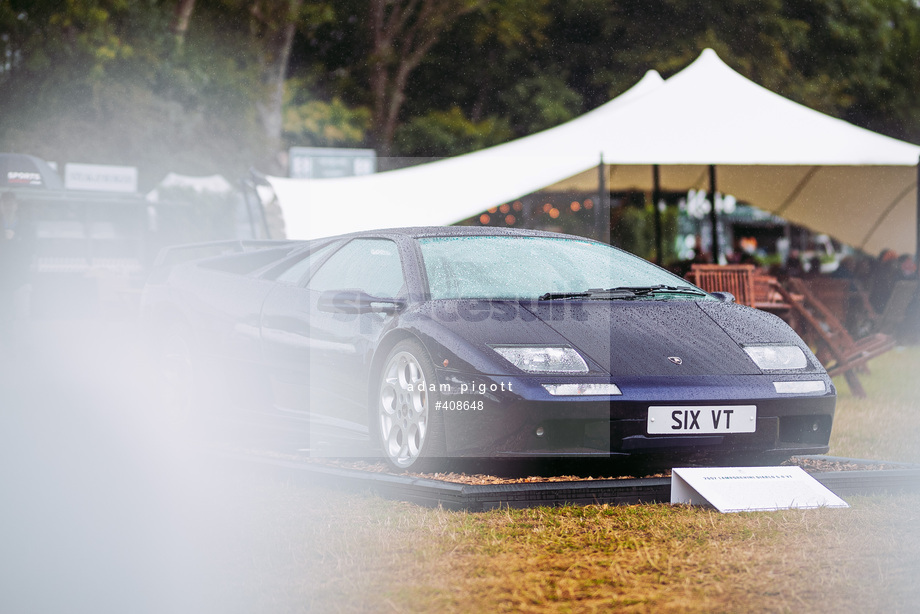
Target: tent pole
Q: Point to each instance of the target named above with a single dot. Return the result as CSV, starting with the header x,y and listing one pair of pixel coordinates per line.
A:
x,y
713,214
602,211
656,196
917,246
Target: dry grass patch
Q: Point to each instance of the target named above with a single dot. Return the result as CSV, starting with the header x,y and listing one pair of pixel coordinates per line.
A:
x,y
325,551
886,424
661,558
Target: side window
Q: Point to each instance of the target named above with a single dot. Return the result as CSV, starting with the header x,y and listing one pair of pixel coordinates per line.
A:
x,y
371,265
296,271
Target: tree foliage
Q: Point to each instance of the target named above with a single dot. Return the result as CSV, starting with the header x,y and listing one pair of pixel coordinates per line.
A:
x,y
428,135
221,85
313,122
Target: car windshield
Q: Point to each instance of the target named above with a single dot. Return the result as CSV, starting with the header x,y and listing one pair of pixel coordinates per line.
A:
x,y
503,267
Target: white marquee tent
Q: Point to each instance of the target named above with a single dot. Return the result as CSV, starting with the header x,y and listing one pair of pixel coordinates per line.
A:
x,y
450,190
810,168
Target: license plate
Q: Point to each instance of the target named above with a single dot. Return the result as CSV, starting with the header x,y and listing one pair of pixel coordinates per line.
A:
x,y
702,420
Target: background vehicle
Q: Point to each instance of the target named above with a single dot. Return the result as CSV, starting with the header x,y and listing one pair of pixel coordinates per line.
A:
x,y
80,253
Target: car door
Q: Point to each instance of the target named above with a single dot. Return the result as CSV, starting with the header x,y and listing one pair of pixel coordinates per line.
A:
x,y
320,357
284,324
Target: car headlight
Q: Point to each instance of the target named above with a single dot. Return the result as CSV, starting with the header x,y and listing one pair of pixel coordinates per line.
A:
x,y
776,357
543,359
583,390
799,387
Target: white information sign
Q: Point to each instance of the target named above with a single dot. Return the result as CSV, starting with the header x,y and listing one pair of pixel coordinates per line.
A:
x,y
750,489
100,177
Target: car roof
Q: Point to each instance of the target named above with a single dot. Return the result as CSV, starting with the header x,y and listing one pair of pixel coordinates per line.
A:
x,y
417,232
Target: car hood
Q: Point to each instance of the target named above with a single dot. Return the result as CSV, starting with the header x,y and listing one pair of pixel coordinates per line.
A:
x,y
618,337
646,337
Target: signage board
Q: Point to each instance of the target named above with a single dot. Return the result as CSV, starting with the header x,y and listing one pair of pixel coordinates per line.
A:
x,y
750,489
100,177
331,162
18,179
24,171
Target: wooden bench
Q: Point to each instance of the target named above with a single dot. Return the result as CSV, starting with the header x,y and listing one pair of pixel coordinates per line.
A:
x,y
735,278
767,297
837,350
833,294
889,322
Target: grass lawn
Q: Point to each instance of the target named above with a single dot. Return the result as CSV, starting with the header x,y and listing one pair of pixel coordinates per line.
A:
x,y
886,424
328,552
300,549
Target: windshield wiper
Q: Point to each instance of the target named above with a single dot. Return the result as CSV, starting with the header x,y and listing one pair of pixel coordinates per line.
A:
x,y
552,296
659,289
612,293
622,292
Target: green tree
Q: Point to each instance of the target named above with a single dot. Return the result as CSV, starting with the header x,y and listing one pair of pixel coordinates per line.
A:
x,y
309,121
870,51
407,58
271,26
540,101
92,81
440,132
402,33
204,86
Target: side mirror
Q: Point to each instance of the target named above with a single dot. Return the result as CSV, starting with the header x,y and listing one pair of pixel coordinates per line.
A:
x,y
357,302
724,297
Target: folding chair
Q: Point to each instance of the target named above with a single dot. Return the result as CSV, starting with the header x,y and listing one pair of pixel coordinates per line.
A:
x,y
837,350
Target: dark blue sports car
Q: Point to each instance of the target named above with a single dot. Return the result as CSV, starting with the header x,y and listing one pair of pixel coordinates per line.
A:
x,y
427,343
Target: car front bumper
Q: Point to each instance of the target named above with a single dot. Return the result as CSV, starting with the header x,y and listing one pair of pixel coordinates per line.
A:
x,y
497,416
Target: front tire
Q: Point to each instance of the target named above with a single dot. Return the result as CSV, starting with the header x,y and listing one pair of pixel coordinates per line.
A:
x,y
409,428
